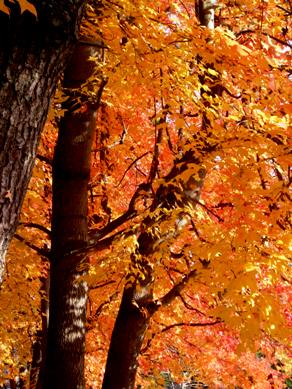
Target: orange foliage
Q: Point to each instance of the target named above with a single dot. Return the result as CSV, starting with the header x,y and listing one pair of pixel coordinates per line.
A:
x,y
161,65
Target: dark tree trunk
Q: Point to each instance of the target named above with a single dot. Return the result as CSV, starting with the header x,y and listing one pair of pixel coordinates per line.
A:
x,y
33,53
137,305
126,342
68,292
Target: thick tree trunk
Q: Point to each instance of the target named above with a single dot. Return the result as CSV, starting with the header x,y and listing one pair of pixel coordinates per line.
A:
x,y
68,292
33,53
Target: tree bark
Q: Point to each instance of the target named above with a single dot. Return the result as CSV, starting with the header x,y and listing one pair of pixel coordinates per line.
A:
x,y
206,13
68,292
33,53
126,342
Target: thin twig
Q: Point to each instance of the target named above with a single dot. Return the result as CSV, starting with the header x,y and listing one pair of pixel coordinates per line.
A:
x,y
182,324
131,164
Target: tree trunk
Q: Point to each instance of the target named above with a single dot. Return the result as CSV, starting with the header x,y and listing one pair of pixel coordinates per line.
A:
x,y
137,305
33,53
68,292
137,308
206,13
126,342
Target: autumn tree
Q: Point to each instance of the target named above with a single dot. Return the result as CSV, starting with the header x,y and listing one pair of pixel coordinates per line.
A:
x,y
35,43
189,219
207,134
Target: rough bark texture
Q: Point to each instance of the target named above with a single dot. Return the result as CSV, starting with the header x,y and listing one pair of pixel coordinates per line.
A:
x,y
68,293
33,53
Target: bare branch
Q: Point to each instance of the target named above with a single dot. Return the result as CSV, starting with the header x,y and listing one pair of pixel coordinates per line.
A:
x,y
172,293
96,234
37,226
131,164
288,13
182,324
280,41
103,284
189,306
284,278
97,245
158,139
38,250
103,305
98,44
210,211
116,143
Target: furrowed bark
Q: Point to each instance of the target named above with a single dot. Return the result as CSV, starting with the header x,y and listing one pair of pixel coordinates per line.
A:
x,y
68,293
33,54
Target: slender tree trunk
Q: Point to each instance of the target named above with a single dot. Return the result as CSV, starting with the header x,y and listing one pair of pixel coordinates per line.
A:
x,y
68,292
126,342
137,308
33,53
137,305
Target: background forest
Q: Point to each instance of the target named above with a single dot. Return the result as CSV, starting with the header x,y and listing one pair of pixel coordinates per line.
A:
x,y
154,239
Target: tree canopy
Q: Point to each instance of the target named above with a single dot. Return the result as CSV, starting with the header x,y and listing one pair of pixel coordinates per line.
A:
x,y
189,194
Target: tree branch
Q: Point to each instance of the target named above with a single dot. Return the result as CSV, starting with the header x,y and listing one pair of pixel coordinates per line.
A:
x,y
189,306
182,324
103,284
95,235
210,211
285,43
172,293
44,159
37,226
98,44
42,252
105,303
131,164
158,138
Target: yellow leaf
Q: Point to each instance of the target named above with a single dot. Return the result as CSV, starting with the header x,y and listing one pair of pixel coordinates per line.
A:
x,y
212,72
251,267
